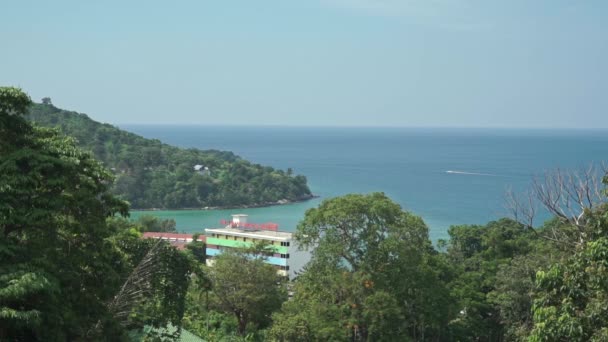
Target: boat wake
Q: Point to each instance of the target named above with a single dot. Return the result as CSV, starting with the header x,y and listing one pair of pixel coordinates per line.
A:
x,y
469,173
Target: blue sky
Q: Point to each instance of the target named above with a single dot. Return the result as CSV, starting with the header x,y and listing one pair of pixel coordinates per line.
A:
x,y
454,63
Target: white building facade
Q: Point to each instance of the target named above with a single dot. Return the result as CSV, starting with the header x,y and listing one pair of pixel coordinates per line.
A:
x,y
287,258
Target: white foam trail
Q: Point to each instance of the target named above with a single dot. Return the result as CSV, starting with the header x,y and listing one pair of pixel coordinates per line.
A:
x,y
470,173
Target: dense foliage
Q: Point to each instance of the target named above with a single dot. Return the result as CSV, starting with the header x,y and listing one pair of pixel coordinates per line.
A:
x,y
150,174
149,223
64,260
374,276
572,296
71,268
240,287
485,285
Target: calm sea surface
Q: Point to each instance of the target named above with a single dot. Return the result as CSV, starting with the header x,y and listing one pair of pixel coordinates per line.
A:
x,y
408,164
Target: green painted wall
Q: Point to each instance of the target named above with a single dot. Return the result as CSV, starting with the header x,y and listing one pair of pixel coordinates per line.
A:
x,y
232,243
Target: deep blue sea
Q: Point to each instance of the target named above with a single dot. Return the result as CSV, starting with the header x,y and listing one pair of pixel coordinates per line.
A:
x,y
408,164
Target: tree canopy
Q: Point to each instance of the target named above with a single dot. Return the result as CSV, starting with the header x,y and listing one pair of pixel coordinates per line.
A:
x,y
241,288
371,276
571,297
61,262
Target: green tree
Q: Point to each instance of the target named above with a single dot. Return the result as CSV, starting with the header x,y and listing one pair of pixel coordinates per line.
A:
x,y
571,296
64,256
478,253
56,266
197,248
370,277
246,287
514,292
154,292
150,223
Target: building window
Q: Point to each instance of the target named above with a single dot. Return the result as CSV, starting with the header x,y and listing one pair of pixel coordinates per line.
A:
x,y
285,243
285,256
285,268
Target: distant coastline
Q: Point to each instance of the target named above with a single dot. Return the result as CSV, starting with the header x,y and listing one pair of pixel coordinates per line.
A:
x,y
255,205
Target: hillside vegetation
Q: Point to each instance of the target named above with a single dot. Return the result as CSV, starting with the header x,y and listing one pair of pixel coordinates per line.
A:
x,y
150,174
74,268
71,269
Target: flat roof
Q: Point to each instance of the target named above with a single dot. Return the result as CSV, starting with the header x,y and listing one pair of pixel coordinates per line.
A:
x,y
171,236
176,240
259,234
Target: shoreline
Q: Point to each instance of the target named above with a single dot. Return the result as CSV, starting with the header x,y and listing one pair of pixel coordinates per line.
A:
x,y
250,206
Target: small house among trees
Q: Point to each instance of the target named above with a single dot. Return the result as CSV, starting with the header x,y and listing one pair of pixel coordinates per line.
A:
x,y
202,170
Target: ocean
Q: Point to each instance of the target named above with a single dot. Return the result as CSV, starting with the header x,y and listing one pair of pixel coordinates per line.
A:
x,y
446,176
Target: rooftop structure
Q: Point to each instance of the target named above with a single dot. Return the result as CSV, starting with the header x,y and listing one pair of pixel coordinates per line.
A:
x,y
254,234
287,259
177,240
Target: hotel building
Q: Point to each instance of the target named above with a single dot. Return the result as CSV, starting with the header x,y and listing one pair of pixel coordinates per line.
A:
x,y
287,259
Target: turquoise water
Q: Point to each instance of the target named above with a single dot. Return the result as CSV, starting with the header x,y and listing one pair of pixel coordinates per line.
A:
x,y
408,164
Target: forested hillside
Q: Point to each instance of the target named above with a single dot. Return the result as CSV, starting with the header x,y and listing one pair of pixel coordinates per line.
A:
x,y
70,268
150,174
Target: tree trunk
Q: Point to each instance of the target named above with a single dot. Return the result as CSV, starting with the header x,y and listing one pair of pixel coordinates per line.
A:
x,y
242,324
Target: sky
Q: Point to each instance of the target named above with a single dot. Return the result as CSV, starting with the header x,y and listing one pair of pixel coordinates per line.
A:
x,y
447,63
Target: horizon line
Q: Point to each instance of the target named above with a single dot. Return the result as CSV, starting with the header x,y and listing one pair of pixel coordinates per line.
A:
x,y
365,126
